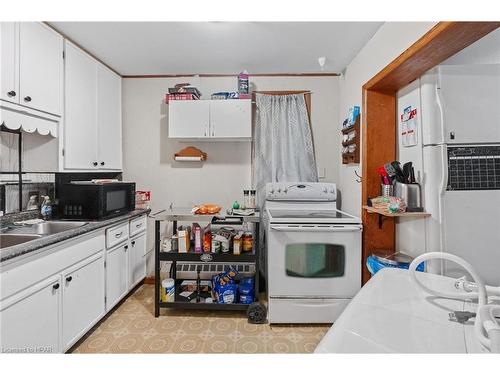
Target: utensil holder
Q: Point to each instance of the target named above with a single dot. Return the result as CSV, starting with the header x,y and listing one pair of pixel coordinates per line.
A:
x,y
386,190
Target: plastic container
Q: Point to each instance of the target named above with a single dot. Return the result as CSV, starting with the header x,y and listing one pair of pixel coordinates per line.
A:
x,y
168,290
376,261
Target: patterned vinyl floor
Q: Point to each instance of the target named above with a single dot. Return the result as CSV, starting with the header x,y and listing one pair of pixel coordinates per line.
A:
x,y
132,328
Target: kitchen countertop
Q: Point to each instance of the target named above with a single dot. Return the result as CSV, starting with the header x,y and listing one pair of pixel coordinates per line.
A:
x,y
39,243
185,214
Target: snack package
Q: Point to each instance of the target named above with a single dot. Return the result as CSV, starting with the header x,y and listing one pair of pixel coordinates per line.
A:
x,y
224,286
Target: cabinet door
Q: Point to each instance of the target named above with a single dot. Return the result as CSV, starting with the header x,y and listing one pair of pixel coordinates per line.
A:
x,y
83,298
116,275
40,69
9,64
109,119
231,118
80,120
137,260
188,118
30,320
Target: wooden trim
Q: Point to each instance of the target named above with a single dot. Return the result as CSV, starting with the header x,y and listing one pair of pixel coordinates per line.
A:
x,y
379,125
149,280
442,41
82,48
207,75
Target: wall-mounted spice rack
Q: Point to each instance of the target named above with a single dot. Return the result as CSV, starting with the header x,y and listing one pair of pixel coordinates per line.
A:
x,y
352,157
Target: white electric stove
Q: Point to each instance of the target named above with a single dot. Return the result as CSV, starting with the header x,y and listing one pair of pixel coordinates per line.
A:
x,y
313,253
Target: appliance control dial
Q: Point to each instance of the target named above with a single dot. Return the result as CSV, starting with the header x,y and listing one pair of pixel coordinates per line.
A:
x,y
325,190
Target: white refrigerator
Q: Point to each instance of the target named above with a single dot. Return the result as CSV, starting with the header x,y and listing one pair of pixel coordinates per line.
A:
x,y
457,162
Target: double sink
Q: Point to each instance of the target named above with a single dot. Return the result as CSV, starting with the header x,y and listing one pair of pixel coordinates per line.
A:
x,y
17,235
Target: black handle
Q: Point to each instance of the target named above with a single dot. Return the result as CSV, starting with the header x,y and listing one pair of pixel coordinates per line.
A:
x,y
125,247
95,164
102,163
27,98
55,286
69,278
133,243
11,94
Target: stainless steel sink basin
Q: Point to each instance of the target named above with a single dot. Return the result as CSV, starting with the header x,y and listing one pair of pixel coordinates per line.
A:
x,y
11,239
52,227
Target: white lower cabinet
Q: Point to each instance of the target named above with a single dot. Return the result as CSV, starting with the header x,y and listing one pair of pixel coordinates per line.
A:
x,y
47,304
30,320
83,298
137,260
116,274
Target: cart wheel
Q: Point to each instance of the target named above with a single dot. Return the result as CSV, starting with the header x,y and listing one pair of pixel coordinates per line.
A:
x,y
256,313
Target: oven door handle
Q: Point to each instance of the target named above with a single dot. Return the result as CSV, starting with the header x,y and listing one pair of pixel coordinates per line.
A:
x,y
286,228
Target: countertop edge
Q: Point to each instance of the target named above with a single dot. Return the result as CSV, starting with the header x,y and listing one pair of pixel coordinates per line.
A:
x,y
32,247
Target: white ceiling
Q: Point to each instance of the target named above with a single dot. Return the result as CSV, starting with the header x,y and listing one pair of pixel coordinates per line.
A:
x,y
142,48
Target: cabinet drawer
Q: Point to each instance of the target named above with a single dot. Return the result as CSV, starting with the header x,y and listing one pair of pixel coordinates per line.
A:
x,y
116,235
137,225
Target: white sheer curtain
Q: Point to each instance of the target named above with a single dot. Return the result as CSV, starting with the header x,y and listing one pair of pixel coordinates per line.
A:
x,y
283,146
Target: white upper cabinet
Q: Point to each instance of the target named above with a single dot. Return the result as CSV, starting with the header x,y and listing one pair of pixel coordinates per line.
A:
x,y
92,126
80,122
210,119
188,119
40,69
9,52
230,118
109,118
32,66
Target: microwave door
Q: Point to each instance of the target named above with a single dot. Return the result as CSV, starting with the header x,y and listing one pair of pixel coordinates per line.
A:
x,y
314,261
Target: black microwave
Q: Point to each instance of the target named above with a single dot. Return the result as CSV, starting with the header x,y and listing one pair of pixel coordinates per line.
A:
x,y
85,200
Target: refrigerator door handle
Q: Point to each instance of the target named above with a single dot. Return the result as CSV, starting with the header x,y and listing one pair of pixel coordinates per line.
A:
x,y
439,104
444,170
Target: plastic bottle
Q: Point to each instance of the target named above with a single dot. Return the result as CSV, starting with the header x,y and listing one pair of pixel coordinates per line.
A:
x,y
243,83
46,208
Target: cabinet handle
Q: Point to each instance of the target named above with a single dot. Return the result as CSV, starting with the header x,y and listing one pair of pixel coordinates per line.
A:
x,y
94,164
125,247
102,163
27,98
55,286
133,243
138,225
118,235
11,94
69,278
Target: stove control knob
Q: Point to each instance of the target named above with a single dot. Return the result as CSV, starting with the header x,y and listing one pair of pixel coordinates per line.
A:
x,y
285,190
271,191
332,191
325,190
279,190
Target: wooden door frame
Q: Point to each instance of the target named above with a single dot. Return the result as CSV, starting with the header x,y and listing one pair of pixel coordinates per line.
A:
x,y
379,113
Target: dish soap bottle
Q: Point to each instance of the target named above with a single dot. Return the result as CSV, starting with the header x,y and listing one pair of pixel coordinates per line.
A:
x,y
46,208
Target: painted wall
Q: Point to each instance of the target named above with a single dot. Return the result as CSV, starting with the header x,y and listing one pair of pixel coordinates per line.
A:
x,y
148,153
390,41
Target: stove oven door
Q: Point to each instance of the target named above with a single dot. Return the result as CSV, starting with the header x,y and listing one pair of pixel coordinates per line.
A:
x,y
314,261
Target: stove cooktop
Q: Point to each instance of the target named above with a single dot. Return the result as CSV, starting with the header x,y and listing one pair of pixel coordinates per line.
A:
x,y
311,216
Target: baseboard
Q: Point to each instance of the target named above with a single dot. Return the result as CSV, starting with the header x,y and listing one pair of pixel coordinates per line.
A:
x,y
149,280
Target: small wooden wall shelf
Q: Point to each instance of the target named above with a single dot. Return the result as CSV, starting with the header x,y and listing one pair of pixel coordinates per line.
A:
x,y
190,154
352,157
382,214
